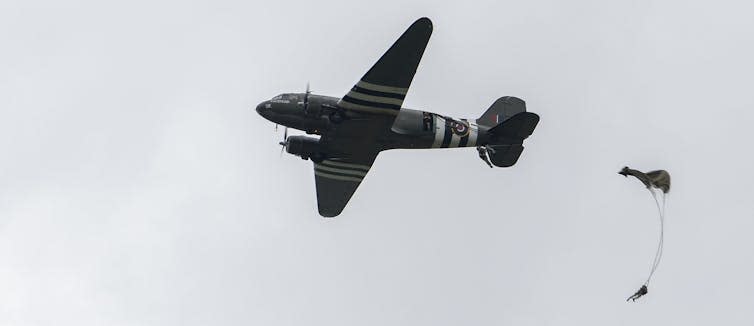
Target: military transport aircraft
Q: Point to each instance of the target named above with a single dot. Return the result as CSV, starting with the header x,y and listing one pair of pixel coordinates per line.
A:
x,y
370,118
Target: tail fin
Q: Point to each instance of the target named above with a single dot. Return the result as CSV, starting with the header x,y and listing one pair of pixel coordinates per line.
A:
x,y
503,109
506,139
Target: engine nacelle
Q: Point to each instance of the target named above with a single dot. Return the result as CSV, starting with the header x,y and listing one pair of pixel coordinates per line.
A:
x,y
306,147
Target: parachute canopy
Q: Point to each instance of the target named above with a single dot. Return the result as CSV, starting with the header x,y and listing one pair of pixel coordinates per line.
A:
x,y
659,179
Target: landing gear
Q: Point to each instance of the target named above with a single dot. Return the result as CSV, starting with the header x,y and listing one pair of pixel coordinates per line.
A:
x,y
337,116
316,158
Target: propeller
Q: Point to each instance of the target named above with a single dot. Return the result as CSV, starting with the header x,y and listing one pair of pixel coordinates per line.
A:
x,y
306,98
284,143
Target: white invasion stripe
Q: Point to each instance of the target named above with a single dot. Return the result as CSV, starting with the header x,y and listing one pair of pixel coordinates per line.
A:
x,y
454,140
380,88
336,177
346,165
364,108
341,171
439,131
372,98
472,133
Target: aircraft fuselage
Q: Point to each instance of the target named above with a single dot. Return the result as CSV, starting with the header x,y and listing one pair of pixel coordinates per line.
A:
x,y
410,129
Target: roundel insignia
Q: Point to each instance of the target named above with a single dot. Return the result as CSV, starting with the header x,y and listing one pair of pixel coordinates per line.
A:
x,y
459,128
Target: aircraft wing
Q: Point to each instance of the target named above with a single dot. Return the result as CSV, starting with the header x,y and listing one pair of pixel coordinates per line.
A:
x,y
384,86
379,92
337,180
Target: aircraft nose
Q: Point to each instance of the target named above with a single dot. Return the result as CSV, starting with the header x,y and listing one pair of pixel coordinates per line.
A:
x,y
262,109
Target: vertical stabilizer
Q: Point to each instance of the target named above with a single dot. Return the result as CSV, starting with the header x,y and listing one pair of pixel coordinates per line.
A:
x,y
503,109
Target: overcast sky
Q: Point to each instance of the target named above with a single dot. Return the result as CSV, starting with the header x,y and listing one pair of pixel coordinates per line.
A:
x,y
138,186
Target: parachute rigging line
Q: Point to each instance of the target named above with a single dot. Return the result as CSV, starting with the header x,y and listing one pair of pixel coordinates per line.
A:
x,y
661,242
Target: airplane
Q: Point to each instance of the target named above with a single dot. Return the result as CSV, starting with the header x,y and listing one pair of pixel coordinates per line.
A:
x,y
370,119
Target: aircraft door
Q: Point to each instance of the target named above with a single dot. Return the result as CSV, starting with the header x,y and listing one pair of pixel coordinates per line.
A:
x,y
412,122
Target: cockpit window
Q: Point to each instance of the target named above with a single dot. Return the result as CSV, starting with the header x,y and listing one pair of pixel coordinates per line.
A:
x,y
285,98
282,98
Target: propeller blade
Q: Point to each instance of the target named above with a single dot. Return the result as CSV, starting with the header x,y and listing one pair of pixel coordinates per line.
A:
x,y
306,98
283,144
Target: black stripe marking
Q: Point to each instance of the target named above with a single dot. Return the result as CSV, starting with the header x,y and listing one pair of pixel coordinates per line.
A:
x,y
447,137
370,103
377,93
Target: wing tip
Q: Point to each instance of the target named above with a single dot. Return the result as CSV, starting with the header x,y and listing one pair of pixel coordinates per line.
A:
x,y
328,214
423,22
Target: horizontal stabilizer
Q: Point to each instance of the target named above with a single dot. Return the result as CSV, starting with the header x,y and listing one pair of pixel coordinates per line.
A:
x,y
506,138
505,155
515,129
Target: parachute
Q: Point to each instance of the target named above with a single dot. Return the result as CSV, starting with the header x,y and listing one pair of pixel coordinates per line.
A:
x,y
653,180
659,179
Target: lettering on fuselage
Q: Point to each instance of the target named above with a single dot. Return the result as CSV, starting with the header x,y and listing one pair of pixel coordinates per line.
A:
x,y
454,133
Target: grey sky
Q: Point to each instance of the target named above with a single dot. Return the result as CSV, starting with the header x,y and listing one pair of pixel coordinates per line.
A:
x,y
139,187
